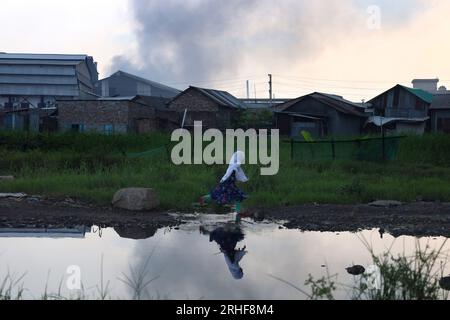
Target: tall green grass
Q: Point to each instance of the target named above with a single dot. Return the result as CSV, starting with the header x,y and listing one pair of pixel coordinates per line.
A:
x,y
93,167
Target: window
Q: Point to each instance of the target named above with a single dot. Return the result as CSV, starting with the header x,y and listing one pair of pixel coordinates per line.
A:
x,y
108,129
79,128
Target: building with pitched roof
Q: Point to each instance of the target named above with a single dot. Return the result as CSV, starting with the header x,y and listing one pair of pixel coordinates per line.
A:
x,y
440,113
30,85
123,84
37,80
321,115
402,110
215,108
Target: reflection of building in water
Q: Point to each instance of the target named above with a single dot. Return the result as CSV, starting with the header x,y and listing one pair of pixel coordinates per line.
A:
x,y
76,232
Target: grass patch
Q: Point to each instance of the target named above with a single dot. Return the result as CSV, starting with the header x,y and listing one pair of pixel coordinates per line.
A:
x,y
93,167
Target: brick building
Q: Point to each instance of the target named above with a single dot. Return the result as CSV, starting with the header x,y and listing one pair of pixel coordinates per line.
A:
x,y
107,115
216,109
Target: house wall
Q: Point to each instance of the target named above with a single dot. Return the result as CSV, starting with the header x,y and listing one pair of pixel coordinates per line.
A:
x,y
346,126
94,115
284,123
410,128
117,86
440,120
336,123
201,108
141,118
400,103
28,119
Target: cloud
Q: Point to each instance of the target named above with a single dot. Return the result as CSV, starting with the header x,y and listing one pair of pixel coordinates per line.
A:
x,y
206,39
188,42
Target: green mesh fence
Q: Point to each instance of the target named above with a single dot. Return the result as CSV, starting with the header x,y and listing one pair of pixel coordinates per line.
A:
x,y
156,152
370,149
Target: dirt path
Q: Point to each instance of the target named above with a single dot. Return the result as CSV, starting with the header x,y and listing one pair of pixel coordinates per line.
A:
x,y
418,219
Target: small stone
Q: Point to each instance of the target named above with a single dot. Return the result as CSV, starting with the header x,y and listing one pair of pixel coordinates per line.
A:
x,y
386,203
356,270
445,283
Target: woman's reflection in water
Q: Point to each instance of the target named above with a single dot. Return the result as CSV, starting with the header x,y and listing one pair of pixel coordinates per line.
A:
x,y
227,237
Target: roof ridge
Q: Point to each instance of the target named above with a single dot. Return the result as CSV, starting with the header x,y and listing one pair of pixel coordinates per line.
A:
x,y
222,97
151,82
425,95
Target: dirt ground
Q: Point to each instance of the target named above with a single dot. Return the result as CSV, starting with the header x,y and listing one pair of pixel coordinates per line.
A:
x,y
418,219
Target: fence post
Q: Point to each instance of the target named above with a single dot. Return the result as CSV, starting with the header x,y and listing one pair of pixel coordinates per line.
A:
x,y
384,146
292,148
333,149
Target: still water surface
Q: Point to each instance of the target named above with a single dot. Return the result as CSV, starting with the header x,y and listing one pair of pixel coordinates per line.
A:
x,y
189,262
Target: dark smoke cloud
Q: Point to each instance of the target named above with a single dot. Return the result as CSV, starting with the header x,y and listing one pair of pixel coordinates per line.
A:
x,y
210,39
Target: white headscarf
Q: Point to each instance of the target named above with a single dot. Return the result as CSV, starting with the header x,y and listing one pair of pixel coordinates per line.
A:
x,y
235,166
235,270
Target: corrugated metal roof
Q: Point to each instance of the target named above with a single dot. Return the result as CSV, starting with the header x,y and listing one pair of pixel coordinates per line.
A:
x,y
38,56
149,82
37,70
422,94
38,79
40,62
39,90
42,74
336,102
95,98
221,97
382,121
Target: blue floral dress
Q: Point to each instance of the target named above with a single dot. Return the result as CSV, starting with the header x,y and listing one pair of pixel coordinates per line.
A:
x,y
227,192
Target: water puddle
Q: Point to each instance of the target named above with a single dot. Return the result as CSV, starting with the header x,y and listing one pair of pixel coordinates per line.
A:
x,y
206,258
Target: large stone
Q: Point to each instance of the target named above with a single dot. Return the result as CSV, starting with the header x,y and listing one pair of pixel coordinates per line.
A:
x,y
136,199
385,203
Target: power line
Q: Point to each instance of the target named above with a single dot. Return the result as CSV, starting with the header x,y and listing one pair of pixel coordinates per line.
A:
x,y
308,84
207,81
338,80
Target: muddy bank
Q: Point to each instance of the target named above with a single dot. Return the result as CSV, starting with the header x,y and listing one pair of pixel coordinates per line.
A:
x,y
36,212
416,219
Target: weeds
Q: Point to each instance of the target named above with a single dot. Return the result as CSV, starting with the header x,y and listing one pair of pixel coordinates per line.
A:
x,y
93,167
11,287
391,277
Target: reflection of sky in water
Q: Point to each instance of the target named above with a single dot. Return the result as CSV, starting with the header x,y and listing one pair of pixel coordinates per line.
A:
x,y
189,266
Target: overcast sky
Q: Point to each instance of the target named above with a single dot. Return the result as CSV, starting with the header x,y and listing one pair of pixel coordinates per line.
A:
x,y
331,46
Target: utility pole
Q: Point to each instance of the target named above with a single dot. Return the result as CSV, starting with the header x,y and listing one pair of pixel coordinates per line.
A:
x,y
248,89
270,89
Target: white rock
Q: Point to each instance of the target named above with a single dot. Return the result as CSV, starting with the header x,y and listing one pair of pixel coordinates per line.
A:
x,y
386,203
12,195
